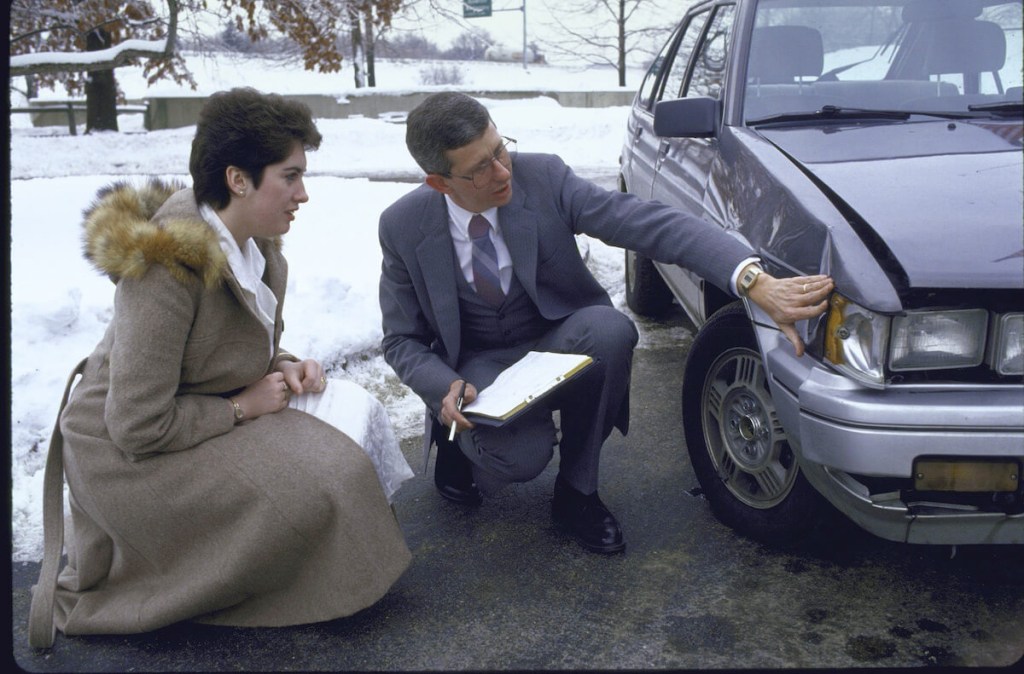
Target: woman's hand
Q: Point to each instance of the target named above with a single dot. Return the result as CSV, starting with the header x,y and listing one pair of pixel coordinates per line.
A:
x,y
269,394
303,376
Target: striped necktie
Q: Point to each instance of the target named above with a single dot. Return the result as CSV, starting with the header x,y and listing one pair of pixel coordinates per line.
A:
x,y
485,262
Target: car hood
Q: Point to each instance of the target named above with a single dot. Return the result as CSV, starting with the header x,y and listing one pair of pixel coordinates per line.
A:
x,y
944,197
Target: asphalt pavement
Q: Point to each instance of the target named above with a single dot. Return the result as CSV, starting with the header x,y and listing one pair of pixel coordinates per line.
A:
x,y
498,587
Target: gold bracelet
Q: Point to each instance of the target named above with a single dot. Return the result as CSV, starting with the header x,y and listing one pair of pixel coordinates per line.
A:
x,y
239,414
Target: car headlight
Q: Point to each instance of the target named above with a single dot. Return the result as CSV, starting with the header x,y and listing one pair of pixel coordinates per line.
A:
x,y
938,340
1008,354
863,344
856,340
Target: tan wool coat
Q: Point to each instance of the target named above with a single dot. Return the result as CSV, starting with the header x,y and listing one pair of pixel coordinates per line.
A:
x,y
176,512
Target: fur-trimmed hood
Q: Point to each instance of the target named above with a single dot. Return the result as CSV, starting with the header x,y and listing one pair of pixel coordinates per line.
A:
x,y
122,239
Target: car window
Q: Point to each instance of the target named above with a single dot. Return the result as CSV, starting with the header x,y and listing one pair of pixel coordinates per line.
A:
x,y
709,66
672,83
657,65
904,55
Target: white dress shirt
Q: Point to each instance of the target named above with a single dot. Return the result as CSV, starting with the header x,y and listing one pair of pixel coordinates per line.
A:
x,y
458,225
247,264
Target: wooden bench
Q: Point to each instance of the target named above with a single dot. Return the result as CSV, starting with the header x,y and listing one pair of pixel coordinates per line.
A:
x,y
71,107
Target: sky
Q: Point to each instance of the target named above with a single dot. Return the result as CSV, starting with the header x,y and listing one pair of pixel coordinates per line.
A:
x,y
61,305
540,23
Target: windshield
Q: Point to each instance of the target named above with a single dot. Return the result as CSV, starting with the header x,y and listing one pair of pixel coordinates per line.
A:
x,y
930,56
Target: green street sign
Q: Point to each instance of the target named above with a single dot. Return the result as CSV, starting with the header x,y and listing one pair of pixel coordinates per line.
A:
x,y
476,9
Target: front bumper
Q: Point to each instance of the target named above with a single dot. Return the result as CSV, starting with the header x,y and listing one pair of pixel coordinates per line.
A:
x,y
841,431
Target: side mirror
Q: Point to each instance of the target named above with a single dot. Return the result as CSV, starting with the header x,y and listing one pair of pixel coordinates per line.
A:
x,y
695,117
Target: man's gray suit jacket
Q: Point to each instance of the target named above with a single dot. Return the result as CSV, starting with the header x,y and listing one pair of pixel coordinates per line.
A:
x,y
550,205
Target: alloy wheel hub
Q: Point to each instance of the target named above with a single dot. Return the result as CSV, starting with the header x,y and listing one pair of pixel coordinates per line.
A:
x,y
747,431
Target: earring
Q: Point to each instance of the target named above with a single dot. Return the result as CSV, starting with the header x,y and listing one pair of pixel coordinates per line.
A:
x,y
241,193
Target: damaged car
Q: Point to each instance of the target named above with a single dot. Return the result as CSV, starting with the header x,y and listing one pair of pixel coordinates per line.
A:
x,y
878,142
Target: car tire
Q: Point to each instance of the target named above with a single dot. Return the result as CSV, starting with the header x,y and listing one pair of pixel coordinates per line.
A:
x,y
646,292
737,445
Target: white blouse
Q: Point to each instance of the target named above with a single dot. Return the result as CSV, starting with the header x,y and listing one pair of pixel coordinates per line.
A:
x,y
248,265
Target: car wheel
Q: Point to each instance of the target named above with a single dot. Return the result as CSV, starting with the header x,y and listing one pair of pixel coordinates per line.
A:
x,y
646,292
737,445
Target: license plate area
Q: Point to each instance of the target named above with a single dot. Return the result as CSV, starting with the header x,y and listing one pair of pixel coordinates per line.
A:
x,y
961,475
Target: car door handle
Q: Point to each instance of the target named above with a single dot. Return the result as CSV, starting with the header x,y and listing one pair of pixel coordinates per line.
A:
x,y
662,153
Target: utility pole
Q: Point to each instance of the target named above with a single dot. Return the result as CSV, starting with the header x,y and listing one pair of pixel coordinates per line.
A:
x,y
524,34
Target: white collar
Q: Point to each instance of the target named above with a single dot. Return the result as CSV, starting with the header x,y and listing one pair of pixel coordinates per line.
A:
x,y
460,217
247,263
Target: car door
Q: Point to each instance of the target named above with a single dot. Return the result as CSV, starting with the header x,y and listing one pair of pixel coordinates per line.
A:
x,y
665,75
682,165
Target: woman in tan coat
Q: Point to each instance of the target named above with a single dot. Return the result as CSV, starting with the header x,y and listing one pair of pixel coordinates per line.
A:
x,y
196,491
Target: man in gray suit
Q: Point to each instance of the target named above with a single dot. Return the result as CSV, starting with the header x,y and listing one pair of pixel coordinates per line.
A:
x,y
481,266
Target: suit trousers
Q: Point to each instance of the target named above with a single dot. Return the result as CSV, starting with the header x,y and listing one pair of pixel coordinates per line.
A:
x,y
589,406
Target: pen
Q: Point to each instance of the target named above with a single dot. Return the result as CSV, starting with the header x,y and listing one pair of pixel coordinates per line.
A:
x,y
458,406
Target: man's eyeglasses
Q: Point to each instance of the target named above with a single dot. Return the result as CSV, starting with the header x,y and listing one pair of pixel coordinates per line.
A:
x,y
482,175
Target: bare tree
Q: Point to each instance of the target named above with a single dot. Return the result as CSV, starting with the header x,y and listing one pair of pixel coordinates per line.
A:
x,y
358,53
606,32
371,48
377,16
470,46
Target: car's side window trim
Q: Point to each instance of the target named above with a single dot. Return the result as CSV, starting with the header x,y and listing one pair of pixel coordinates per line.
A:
x,y
722,19
670,62
651,80
707,17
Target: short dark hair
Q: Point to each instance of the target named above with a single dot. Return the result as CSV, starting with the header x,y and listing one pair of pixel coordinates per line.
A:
x,y
245,128
442,122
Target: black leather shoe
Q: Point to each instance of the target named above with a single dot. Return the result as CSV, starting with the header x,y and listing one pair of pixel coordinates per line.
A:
x,y
587,518
453,473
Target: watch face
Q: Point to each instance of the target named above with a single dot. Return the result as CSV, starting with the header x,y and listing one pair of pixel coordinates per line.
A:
x,y
748,279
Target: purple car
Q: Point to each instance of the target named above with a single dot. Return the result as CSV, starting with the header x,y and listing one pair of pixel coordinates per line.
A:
x,y
879,142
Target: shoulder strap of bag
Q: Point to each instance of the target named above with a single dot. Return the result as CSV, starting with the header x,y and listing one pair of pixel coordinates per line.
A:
x,y
41,630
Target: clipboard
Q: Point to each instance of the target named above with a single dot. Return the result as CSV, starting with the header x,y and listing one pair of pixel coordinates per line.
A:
x,y
523,384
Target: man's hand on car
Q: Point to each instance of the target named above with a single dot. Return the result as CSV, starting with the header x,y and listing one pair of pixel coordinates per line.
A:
x,y
789,300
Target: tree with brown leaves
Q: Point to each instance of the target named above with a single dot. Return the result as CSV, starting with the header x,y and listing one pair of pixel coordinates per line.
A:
x,y
77,44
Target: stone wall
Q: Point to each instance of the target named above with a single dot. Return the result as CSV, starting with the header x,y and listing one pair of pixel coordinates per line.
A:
x,y
175,112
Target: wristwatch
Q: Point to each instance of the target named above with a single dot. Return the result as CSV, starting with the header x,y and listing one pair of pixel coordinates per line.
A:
x,y
748,278
239,414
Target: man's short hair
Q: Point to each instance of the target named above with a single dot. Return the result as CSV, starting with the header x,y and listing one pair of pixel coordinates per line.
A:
x,y
442,122
245,128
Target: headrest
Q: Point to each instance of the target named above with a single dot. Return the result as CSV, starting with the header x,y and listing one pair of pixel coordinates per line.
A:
x,y
965,46
780,54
